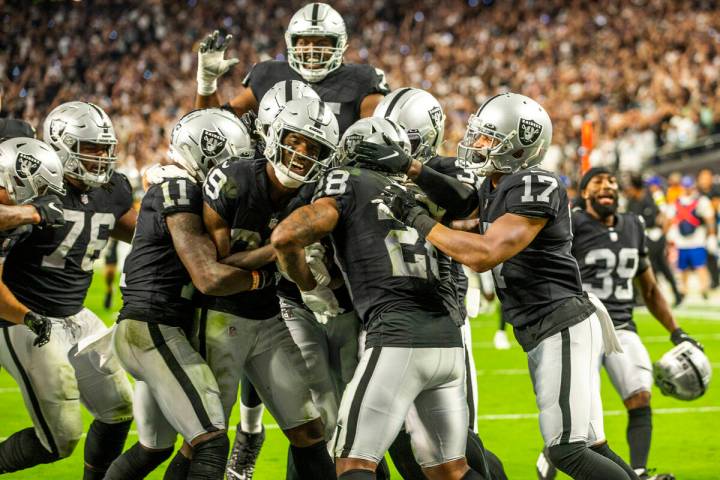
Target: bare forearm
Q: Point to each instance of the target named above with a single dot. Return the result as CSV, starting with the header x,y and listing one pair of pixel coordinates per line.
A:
x,y
251,259
467,248
12,216
658,306
292,262
207,101
10,307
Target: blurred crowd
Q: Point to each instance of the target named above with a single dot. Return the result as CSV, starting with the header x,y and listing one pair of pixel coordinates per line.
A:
x,y
645,72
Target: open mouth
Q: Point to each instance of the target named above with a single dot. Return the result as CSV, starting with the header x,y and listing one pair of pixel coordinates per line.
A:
x,y
606,199
297,166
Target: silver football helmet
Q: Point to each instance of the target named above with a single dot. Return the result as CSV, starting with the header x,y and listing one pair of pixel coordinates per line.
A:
x,y
370,129
684,372
29,168
314,63
508,133
204,138
74,124
275,99
422,117
313,120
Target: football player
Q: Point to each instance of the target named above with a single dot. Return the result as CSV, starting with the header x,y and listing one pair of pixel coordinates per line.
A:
x,y
525,240
171,255
243,202
423,119
408,318
28,170
50,272
316,41
611,250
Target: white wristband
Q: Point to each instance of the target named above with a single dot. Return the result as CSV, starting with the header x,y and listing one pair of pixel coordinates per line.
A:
x,y
207,88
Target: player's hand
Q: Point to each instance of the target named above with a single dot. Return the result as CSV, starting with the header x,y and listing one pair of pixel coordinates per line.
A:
x,y
315,258
679,336
50,209
321,300
212,63
40,326
389,157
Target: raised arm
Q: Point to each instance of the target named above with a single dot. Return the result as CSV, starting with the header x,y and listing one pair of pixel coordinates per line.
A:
x,y
304,226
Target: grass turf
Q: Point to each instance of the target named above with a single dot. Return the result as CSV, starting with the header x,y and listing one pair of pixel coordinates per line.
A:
x,y
686,435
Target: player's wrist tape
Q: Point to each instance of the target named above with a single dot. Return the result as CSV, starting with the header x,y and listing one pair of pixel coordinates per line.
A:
x,y
206,88
423,224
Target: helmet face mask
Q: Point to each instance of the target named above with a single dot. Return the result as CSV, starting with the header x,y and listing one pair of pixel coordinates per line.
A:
x,y
508,133
684,372
301,141
204,138
370,129
29,168
316,41
83,136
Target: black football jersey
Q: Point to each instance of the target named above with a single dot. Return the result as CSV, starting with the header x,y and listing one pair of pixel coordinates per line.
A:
x,y
343,89
240,193
8,239
156,286
609,259
539,288
393,275
51,270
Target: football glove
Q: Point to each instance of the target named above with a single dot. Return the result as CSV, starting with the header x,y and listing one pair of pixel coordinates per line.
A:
x,y
315,258
212,63
40,326
389,157
404,206
50,209
679,336
321,300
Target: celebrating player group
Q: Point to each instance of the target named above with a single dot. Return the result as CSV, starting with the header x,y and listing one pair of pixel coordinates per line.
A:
x,y
303,244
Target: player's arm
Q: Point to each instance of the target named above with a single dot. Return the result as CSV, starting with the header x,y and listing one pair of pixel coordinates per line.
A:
x,y
251,259
125,227
197,252
211,66
12,310
12,216
303,227
506,237
45,211
368,104
244,101
655,300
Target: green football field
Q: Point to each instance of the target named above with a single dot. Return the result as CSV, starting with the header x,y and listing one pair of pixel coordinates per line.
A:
x,y
686,436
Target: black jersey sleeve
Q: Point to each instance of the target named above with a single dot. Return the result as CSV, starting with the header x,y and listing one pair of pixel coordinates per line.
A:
x,y
9,238
179,195
533,194
337,183
377,82
262,76
122,192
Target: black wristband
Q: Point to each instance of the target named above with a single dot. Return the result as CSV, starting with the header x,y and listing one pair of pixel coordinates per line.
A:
x,y
423,223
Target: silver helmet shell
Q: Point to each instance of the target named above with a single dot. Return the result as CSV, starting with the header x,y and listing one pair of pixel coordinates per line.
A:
x,y
312,119
316,20
422,117
684,372
72,124
29,168
508,133
370,129
275,99
204,138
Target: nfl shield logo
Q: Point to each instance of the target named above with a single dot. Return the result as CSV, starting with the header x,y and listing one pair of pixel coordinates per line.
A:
x,y
212,143
26,165
529,131
436,116
57,127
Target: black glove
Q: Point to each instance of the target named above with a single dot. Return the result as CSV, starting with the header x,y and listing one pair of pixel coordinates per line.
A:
x,y
389,157
40,326
51,211
679,336
404,206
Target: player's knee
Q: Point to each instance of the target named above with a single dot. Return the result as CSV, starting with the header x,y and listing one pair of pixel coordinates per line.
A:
x,y
307,434
67,436
567,456
637,400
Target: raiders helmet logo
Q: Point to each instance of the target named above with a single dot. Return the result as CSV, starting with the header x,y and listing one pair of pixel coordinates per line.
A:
x,y
529,131
436,116
26,165
352,141
212,143
57,128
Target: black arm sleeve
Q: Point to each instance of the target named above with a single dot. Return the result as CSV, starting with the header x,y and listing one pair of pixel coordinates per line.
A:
x,y
459,199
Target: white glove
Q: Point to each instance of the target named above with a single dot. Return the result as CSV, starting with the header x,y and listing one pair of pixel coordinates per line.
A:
x,y
315,258
321,319
711,245
321,300
211,62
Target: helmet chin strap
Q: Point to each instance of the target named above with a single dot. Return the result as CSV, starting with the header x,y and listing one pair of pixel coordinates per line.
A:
x,y
285,179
